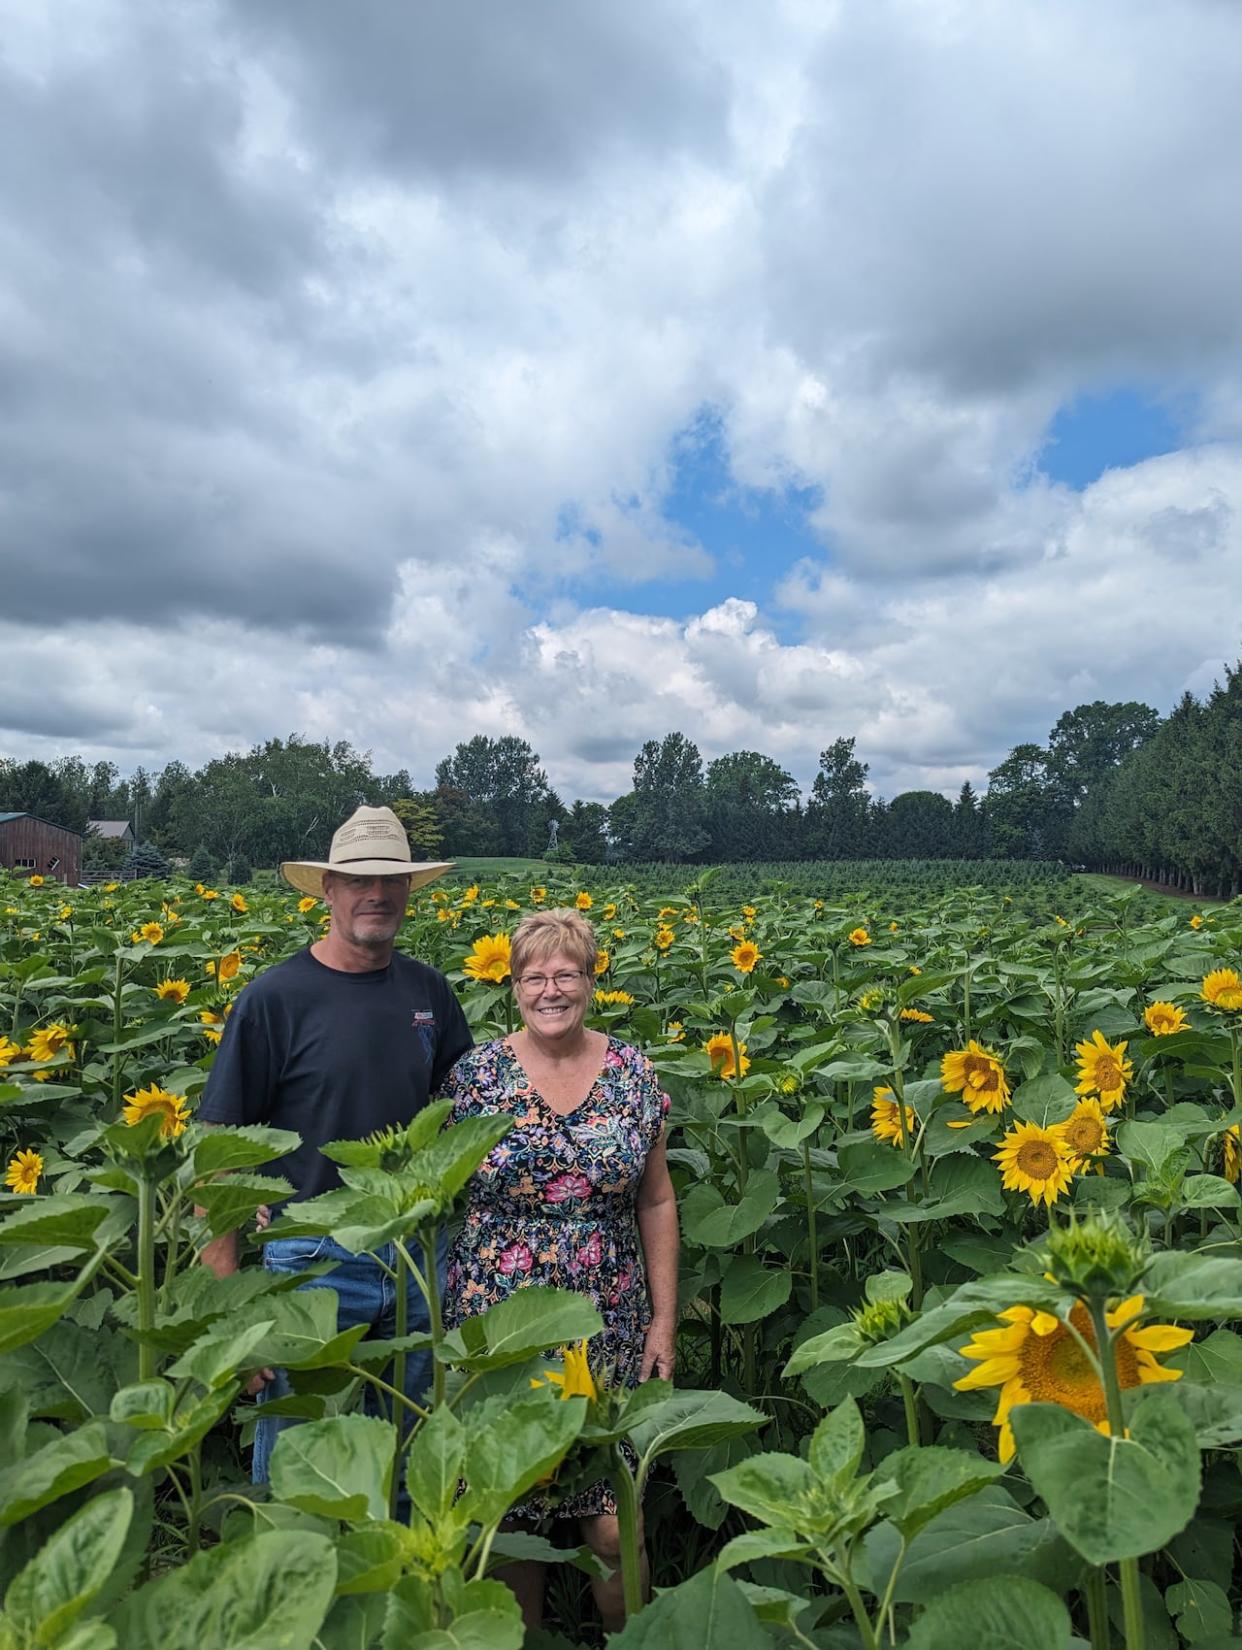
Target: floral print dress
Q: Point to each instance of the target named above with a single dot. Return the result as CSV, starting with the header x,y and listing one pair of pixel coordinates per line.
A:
x,y
554,1203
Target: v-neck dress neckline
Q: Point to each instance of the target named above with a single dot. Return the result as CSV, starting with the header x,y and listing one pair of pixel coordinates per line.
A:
x,y
561,1116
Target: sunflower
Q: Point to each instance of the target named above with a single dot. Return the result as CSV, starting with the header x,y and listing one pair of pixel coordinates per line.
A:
x,y
892,927
212,1024
859,936
613,999
510,905
750,912
1103,1069
610,911
745,956
719,1050
583,901
151,932
976,1073
1036,1359
9,1051
1231,1168
471,894
575,1380
1223,989
1036,1161
737,933
46,1043
1163,1019
1085,1132
210,894
675,1032
885,1119
538,895
488,959
917,1016
871,999
35,881
230,962
664,937
157,1102
173,991
602,962
307,904
22,1174
1196,921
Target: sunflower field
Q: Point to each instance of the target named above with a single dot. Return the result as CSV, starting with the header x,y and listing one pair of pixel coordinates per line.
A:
x,y
958,1182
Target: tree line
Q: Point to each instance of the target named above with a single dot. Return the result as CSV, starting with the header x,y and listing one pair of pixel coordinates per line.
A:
x,y
1115,787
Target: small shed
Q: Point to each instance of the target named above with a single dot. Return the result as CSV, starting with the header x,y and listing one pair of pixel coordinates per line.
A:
x,y
30,845
115,830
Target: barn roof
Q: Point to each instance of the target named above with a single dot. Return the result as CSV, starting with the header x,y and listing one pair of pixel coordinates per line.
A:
x,y
108,827
23,813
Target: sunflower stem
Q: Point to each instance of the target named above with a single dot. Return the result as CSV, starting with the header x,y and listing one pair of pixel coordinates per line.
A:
x,y
1096,1595
118,1021
911,1407
435,1316
627,1531
811,1236
1236,1043
1131,1600
146,1276
398,1370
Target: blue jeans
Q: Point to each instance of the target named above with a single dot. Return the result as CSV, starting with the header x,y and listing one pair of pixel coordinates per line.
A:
x,y
365,1294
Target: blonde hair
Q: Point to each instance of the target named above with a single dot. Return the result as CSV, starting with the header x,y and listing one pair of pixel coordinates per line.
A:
x,y
544,933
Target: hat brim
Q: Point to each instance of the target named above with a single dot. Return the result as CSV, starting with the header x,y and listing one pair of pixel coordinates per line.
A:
x,y
306,875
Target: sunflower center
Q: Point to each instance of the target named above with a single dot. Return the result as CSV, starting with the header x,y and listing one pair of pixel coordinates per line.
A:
x,y
980,1074
1107,1072
1055,1368
1037,1158
1084,1135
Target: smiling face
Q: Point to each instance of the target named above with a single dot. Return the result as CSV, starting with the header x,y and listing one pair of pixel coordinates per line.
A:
x,y
366,911
557,1008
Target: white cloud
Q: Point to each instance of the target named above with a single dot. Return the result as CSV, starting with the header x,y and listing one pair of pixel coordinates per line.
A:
x,y
340,367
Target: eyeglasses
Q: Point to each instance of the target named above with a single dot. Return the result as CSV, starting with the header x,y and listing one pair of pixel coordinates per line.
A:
x,y
566,980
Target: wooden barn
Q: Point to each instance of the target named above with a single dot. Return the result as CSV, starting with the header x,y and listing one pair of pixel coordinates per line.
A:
x,y
29,845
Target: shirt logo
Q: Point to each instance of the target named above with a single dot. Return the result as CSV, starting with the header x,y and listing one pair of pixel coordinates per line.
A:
x,y
425,1024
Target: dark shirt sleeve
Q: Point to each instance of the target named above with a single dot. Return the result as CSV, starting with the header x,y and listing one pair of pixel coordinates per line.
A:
x,y
240,1083
454,1041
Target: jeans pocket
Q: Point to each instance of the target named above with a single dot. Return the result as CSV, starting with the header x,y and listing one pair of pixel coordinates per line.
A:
x,y
293,1254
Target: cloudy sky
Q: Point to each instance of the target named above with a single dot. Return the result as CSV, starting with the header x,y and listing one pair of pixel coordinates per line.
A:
x,y
397,372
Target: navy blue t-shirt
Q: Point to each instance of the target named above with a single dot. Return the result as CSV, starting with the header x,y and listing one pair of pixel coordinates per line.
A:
x,y
333,1056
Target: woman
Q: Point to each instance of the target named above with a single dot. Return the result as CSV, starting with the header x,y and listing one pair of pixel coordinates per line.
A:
x,y
577,1195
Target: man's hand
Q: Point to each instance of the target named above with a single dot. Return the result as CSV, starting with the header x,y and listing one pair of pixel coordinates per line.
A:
x,y
659,1351
258,1381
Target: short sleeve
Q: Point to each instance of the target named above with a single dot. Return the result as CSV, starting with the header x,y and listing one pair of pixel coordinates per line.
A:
x,y
240,1083
454,1040
653,1103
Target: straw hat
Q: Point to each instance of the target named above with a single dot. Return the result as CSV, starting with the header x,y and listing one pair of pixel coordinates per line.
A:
x,y
371,843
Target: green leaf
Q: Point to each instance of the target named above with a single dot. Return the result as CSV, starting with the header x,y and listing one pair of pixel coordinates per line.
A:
x,y
230,1202
1216,1358
69,1461
70,1222
217,1357
1151,1144
708,1612
527,1547
767,1486
144,1405
369,1560
788,1132
512,1449
529,1322
987,1535
485,1616
871,1166
434,1468
338,1468
837,1445
1208,1191
1113,1498
71,1372
750,1290
70,1569
26,1310
1045,1100
755,1545
1202,1610
691,1420
1192,1286
708,1219
836,1345
153,1450
230,1149
968,1307
353,1623
1002,1612
268,1593
931,1478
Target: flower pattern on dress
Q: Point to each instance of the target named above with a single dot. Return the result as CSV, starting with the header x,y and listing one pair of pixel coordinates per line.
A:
x,y
554,1204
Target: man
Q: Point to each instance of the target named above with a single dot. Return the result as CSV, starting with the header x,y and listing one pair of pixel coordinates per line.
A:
x,y
339,1040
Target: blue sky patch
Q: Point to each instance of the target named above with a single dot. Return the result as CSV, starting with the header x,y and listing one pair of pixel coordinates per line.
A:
x,y
1094,433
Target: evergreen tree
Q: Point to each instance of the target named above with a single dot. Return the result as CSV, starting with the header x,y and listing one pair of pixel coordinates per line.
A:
x,y
145,860
202,866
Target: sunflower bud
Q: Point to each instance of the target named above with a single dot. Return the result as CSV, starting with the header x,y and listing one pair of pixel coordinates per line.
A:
x,y
1095,1257
879,1320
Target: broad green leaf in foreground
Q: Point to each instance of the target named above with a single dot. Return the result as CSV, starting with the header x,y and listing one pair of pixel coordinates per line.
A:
x,y
1002,1612
70,1569
338,1468
529,1322
708,1612
1113,1498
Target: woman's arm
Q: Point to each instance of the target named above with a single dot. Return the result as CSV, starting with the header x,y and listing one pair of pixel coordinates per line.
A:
x,y
656,1208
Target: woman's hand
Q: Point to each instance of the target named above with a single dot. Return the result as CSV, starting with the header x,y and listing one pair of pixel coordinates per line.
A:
x,y
659,1351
